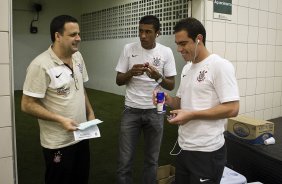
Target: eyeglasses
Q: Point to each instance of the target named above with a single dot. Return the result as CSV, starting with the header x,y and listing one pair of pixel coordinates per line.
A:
x,y
76,84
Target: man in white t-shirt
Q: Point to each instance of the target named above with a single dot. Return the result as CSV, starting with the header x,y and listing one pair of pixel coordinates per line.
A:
x,y
207,96
142,67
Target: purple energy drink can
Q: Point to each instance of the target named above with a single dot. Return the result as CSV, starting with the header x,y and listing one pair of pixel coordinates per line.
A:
x,y
160,102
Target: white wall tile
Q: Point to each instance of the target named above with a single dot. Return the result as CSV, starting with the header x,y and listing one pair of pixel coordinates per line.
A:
x,y
270,53
235,2
241,71
267,114
272,20
242,52
253,17
277,68
5,142
259,115
209,9
277,84
260,88
219,48
269,72
279,7
263,18
251,86
262,36
250,114
262,53
251,69
268,100
250,103
260,102
279,37
6,174
4,47
234,17
261,69
243,3
272,7
218,31
242,34
278,21
269,85
281,102
252,52
231,51
4,15
243,15
231,32
263,5
271,36
277,99
278,53
5,111
242,105
253,4
276,112
209,31
242,85
209,46
4,80
253,34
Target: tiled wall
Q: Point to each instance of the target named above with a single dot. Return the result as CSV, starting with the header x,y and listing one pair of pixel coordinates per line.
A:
x,y
252,41
119,22
6,135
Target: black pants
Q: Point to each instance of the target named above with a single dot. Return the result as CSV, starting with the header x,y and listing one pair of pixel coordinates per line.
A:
x,y
195,167
68,165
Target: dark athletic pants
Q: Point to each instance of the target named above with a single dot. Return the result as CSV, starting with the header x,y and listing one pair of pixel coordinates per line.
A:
x,y
68,165
195,167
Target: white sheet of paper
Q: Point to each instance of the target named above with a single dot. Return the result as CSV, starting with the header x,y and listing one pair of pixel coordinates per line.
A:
x,y
87,130
88,124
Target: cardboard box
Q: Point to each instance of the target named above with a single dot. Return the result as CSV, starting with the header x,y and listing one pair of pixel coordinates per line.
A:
x,y
250,130
166,174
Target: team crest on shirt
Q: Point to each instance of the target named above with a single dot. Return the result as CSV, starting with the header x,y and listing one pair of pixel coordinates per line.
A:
x,y
57,157
157,61
63,91
202,76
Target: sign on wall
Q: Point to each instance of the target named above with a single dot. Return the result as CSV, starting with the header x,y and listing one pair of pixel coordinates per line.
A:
x,y
222,9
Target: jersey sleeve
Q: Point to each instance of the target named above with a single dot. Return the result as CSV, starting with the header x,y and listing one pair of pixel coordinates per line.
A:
x,y
123,61
36,82
169,67
225,82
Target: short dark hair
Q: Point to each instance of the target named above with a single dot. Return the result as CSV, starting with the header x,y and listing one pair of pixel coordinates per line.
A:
x,y
192,26
58,23
151,19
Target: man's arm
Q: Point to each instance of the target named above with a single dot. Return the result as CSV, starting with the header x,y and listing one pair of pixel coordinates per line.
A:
x,y
34,107
173,102
168,83
89,110
124,78
221,111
